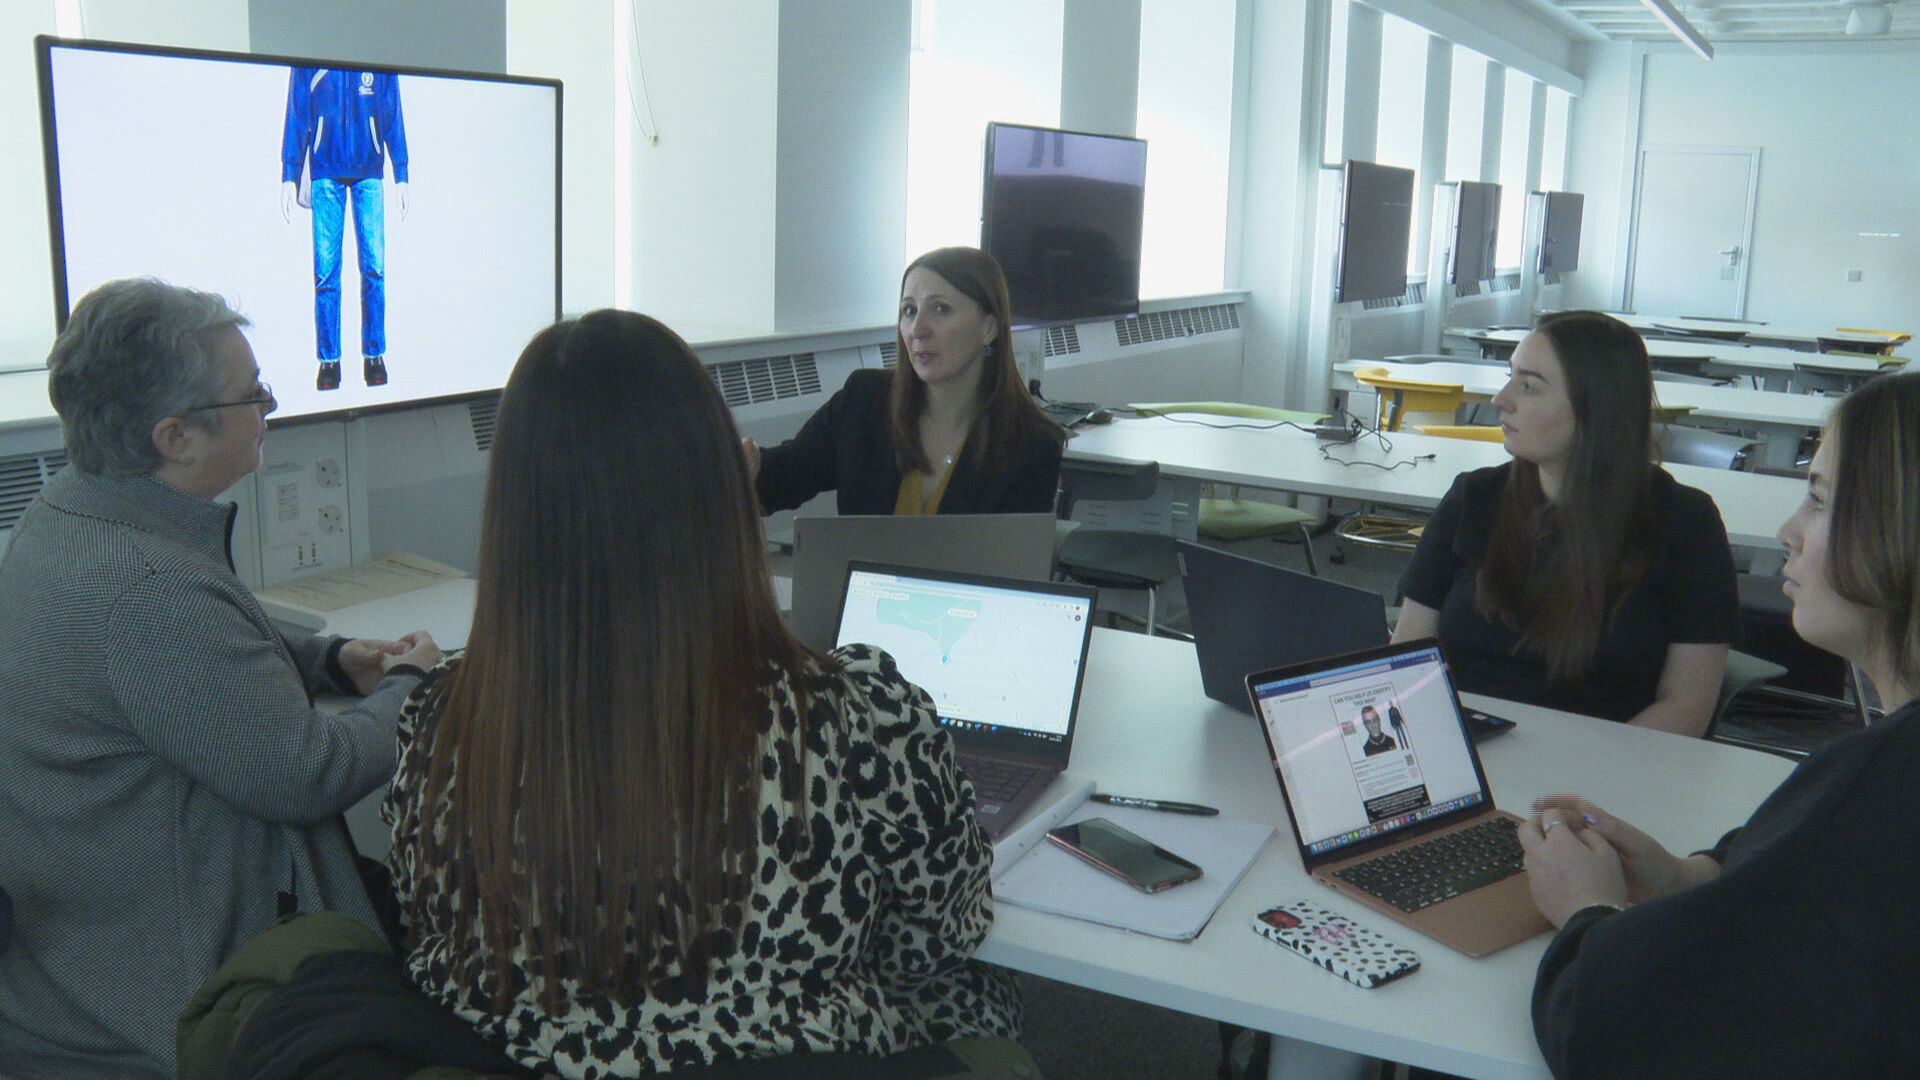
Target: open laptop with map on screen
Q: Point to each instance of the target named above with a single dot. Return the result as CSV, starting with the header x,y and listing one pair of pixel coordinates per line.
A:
x,y
1002,659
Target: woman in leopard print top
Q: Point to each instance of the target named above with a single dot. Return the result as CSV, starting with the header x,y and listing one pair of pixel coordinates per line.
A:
x,y
638,826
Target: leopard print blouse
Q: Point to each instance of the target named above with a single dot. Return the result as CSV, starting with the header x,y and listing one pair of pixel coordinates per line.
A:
x,y
860,943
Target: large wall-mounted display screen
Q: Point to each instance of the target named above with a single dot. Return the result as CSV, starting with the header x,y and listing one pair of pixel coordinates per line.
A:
x,y
1476,228
1560,232
350,211
1376,224
1062,212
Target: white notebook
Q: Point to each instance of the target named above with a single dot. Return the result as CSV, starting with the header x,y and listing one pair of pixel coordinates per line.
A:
x,y
1032,873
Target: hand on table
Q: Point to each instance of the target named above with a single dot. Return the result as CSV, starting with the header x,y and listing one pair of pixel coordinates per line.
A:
x,y
1570,867
366,660
1651,870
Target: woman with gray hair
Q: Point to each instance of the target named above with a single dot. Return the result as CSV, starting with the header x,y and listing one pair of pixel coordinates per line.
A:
x,y
170,790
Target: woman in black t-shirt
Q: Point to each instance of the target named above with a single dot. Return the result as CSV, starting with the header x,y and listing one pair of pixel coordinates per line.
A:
x,y
1579,576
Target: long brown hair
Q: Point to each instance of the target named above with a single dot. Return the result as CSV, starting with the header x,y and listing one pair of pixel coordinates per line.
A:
x,y
1555,571
1007,417
1873,545
593,773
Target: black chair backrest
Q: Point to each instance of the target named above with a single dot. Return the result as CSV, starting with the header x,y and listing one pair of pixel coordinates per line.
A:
x,y
1106,481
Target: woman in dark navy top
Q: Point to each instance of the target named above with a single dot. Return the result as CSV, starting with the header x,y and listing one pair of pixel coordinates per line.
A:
x,y
1579,576
1789,949
951,430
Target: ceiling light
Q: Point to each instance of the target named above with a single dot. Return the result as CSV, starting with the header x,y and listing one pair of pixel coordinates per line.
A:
x,y
1681,28
1869,19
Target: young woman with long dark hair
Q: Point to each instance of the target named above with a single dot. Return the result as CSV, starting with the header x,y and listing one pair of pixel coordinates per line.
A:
x,y
1580,575
639,826
1786,951
950,430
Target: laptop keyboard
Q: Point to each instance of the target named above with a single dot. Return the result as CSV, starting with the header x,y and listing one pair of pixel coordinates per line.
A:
x,y
995,781
1441,868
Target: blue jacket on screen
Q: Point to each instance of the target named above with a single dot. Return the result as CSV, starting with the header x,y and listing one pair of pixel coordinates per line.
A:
x,y
348,121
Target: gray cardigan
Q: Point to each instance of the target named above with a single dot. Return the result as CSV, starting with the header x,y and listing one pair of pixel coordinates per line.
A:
x,y
164,778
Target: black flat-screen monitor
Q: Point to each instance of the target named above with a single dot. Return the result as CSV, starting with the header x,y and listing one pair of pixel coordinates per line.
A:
x,y
1476,225
346,209
1061,211
1560,232
1376,223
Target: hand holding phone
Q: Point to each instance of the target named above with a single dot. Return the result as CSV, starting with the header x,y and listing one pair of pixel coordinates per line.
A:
x,y
1352,952
1126,855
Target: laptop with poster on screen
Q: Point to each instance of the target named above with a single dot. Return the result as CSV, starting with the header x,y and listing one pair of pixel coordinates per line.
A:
x,y
1387,796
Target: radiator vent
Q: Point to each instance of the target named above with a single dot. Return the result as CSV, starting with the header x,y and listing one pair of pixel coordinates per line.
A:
x,y
1506,282
1415,295
889,353
767,378
21,478
1063,340
1182,323
483,413
1467,288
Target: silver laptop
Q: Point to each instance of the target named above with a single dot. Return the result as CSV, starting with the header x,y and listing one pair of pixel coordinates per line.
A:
x,y
1001,658
1004,545
1387,797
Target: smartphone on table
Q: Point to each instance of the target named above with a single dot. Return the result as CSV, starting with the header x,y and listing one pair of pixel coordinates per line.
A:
x,y
1126,855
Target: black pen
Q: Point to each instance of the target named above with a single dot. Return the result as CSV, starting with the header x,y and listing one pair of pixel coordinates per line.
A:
x,y
1155,804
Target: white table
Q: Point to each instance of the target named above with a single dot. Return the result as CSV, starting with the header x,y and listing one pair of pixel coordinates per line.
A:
x,y
1284,459
1772,366
1805,339
1146,727
1780,419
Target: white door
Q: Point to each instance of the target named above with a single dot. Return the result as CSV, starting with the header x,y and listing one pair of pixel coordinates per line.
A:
x,y
1692,230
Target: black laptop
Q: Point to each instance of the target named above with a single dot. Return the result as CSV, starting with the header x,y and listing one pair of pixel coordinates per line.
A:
x,y
1249,616
1002,659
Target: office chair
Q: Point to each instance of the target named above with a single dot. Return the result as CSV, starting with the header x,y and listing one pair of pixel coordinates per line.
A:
x,y
1127,526
1399,397
1813,377
1686,445
1235,518
1476,432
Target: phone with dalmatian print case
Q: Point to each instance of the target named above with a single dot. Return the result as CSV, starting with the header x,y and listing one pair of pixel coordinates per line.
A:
x,y
1352,952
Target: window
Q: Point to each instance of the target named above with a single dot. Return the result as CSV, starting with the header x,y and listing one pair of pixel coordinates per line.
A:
x,y
973,61
1515,127
1402,119
1186,115
1466,114
1553,141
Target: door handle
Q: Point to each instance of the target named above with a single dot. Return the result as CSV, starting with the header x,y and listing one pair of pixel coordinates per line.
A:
x,y
1732,254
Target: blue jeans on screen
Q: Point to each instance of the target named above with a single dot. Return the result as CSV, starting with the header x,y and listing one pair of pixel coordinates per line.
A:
x,y
330,198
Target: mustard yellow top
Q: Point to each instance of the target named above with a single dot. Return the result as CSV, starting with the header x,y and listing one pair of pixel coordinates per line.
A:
x,y
909,500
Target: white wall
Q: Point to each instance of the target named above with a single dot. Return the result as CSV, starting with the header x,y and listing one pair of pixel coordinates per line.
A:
x,y
26,304
1839,158
703,196
1603,127
544,39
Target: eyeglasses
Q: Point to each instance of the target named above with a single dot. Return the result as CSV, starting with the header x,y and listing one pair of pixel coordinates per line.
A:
x,y
262,395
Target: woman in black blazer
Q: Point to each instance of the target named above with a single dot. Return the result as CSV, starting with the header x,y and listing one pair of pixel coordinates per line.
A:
x,y
950,430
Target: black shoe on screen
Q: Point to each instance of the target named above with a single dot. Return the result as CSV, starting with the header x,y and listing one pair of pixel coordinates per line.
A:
x,y
329,377
375,371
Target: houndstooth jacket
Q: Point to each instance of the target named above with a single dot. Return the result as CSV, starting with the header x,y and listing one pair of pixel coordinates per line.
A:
x,y
166,786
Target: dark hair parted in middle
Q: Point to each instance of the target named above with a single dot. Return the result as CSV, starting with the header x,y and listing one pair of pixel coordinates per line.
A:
x,y
596,759
1007,416
1554,570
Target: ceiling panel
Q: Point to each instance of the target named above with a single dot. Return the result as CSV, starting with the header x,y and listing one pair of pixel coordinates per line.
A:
x,y
1723,21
